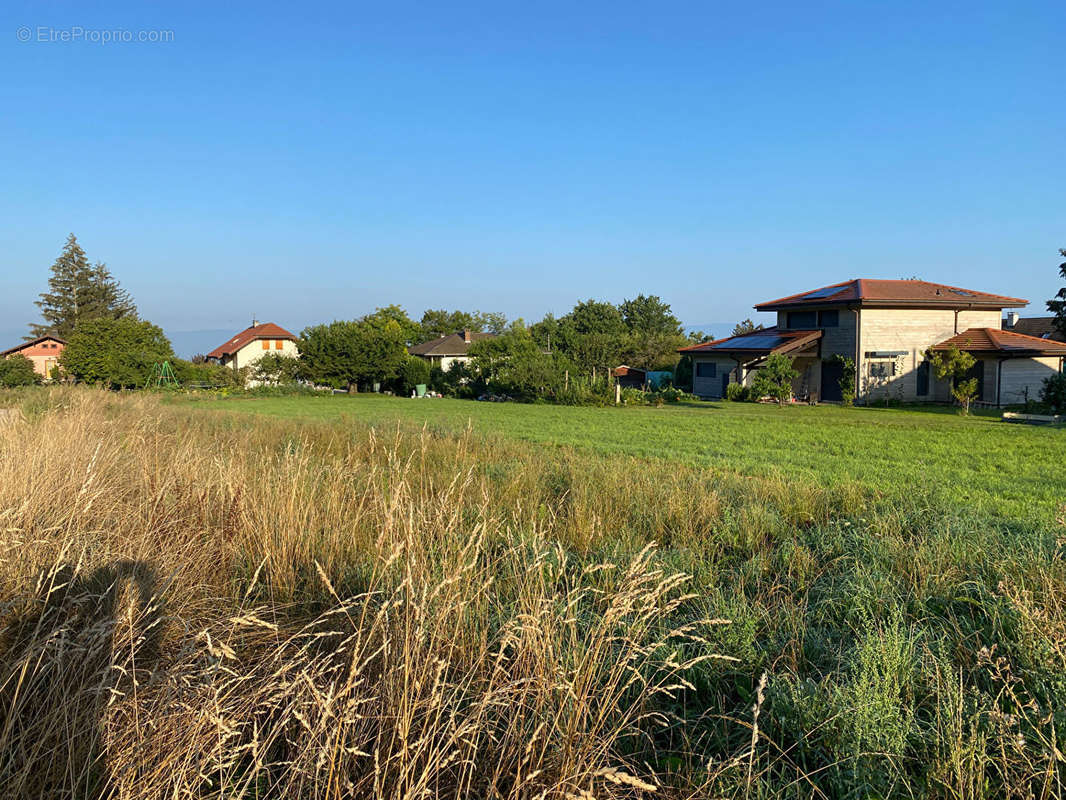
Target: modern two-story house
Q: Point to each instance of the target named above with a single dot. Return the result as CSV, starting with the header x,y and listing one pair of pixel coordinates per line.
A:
x,y
886,327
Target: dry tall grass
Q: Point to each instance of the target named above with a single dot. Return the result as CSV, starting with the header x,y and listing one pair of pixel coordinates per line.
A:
x,y
203,605
211,610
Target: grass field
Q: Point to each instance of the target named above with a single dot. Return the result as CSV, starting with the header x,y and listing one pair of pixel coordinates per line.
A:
x,y
380,598
999,469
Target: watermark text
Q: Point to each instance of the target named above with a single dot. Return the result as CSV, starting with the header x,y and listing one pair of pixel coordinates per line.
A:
x,y
46,34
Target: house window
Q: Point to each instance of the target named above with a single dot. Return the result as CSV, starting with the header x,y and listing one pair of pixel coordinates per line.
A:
x,y
802,319
882,369
923,379
277,344
829,319
706,369
266,344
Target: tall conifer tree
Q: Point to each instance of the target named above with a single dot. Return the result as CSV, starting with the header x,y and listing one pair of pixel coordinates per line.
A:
x,y
77,292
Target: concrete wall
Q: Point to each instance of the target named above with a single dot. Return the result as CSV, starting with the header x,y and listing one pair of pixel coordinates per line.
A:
x,y
712,387
912,331
1022,375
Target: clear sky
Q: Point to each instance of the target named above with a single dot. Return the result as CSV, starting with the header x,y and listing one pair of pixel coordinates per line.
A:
x,y
310,161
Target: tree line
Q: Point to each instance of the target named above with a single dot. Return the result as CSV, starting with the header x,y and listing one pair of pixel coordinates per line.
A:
x,y
561,359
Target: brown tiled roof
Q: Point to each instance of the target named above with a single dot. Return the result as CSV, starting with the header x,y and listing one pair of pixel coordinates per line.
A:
x,y
454,344
1040,327
264,330
31,343
995,340
765,340
876,292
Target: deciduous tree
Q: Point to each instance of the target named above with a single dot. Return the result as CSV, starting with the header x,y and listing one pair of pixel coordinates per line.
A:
x,y
119,353
276,368
955,364
345,354
775,378
439,322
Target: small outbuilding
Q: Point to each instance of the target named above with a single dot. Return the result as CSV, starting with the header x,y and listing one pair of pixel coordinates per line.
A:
x,y
630,377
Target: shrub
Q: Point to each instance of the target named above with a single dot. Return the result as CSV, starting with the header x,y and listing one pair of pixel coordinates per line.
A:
x,y
17,370
774,379
1053,392
207,375
669,394
847,380
276,368
737,392
414,371
456,381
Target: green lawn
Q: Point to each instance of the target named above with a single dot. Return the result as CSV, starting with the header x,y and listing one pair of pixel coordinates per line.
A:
x,y
1002,469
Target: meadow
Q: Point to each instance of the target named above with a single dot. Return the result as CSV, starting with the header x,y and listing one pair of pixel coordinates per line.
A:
x,y
375,597
995,468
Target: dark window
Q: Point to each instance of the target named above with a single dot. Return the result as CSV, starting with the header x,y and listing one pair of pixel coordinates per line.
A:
x,y
802,319
706,369
923,379
882,369
829,319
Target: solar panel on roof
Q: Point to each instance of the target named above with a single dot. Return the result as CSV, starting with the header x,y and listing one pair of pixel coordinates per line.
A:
x,y
827,292
764,342
961,292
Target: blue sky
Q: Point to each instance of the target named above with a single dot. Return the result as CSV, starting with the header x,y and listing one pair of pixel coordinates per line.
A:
x,y
306,162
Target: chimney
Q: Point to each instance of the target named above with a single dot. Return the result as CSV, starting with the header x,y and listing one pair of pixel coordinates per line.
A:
x,y
466,336
254,321
1011,320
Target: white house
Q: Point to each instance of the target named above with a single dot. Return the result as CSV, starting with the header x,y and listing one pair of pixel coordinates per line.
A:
x,y
252,344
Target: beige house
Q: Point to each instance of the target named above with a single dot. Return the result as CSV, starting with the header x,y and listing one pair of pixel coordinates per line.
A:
x,y
448,350
251,344
43,351
886,327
